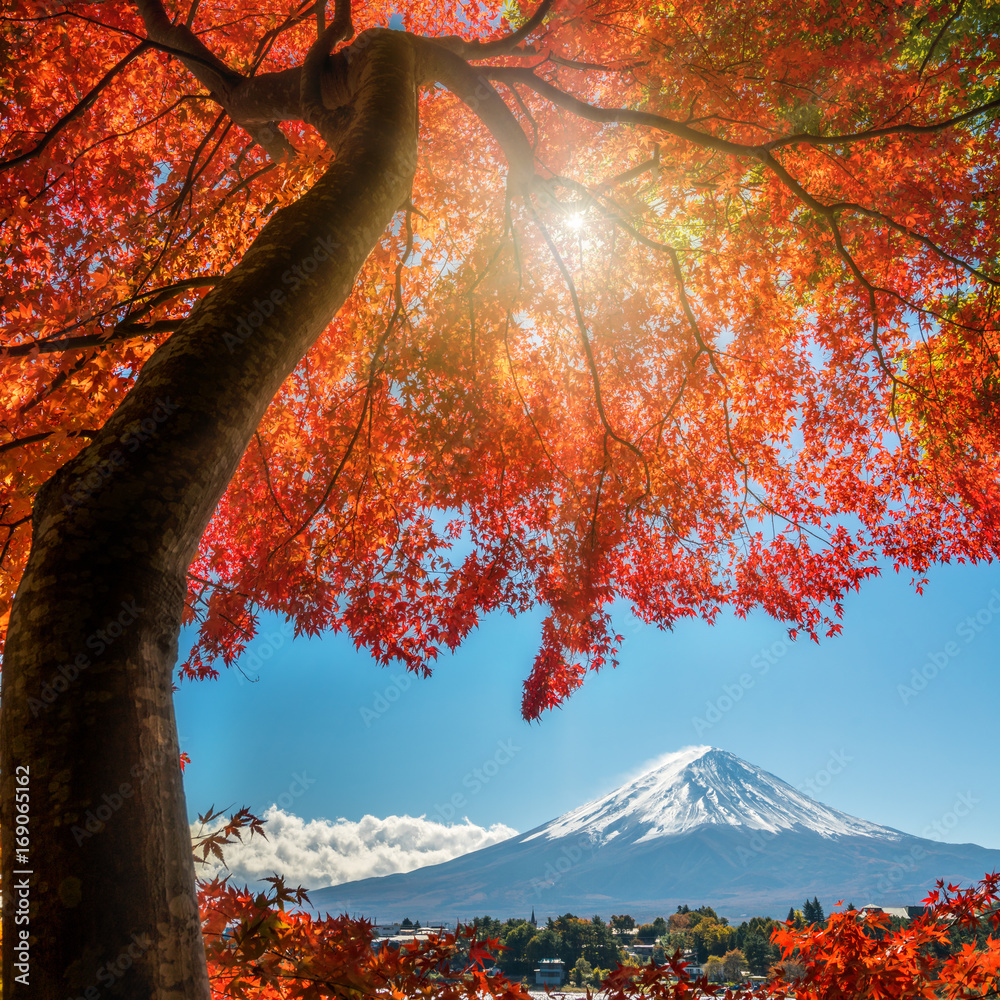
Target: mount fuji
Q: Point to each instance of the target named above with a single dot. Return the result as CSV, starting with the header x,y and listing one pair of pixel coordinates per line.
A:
x,y
703,826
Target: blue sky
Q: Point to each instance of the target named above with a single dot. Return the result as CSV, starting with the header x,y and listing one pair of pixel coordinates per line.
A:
x,y
888,722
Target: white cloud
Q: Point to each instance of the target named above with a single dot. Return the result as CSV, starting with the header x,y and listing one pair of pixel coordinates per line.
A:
x,y
319,852
678,758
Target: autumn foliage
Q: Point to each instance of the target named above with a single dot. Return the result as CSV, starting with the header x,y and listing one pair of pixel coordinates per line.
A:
x,y
689,306
864,958
855,954
263,945
741,320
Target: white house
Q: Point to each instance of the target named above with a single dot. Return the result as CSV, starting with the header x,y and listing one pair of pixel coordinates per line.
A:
x,y
549,972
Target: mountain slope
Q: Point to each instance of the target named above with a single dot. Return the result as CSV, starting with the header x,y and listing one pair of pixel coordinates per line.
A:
x,y
702,785
703,826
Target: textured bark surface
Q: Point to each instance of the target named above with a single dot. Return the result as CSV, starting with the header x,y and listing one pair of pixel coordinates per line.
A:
x,y
86,703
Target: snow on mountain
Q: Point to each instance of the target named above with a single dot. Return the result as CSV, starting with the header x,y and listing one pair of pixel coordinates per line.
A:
x,y
702,785
700,826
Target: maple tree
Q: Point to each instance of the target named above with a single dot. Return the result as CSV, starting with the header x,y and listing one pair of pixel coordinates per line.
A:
x,y
690,305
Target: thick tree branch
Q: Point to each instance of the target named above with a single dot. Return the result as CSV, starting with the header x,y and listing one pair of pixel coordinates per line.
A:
x,y
499,46
611,116
154,297
638,170
590,112
939,36
120,332
311,87
471,86
875,133
78,110
35,438
206,65
871,213
270,37
212,72
831,211
26,440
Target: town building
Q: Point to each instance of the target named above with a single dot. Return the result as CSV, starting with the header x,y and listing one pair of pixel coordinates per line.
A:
x,y
549,972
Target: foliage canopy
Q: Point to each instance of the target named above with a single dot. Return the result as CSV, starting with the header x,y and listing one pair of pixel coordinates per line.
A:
x,y
725,337
688,305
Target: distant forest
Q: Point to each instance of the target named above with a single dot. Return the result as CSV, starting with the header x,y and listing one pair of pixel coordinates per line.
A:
x,y
590,948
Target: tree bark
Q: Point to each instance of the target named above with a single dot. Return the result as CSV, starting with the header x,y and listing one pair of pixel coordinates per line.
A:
x,y
87,715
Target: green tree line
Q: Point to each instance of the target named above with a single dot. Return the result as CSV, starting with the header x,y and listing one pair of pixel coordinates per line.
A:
x,y
590,948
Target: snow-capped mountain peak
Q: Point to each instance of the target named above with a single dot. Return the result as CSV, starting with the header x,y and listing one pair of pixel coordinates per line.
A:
x,y
697,826
698,786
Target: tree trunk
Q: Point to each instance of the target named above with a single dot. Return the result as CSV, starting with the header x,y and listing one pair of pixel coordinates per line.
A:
x,y
100,877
